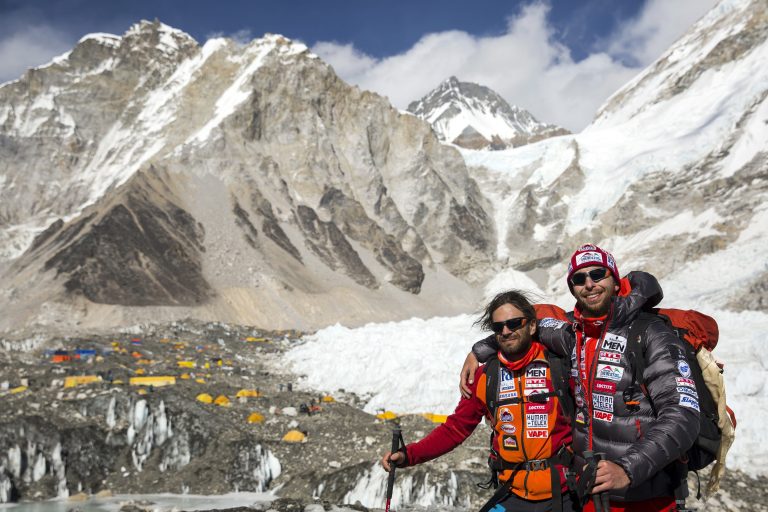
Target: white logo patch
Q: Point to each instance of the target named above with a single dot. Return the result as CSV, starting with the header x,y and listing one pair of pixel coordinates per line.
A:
x,y
690,402
684,369
615,343
609,372
506,381
603,402
611,357
682,381
688,391
537,421
535,383
553,323
536,371
588,257
602,416
537,434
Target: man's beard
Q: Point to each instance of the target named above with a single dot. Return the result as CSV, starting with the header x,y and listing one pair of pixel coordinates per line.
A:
x,y
594,310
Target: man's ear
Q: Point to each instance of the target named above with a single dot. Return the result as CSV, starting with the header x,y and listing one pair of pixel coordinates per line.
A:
x,y
532,326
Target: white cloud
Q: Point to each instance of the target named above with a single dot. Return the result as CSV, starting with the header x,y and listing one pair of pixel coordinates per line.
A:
x,y
28,46
241,37
659,24
526,64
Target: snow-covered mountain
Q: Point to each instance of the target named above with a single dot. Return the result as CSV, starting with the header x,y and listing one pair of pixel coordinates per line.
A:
x,y
247,184
475,117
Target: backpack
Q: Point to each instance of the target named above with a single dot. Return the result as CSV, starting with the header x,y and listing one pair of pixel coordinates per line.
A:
x,y
717,421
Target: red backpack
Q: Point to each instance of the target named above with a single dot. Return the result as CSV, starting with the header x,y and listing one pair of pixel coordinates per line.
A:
x,y
717,420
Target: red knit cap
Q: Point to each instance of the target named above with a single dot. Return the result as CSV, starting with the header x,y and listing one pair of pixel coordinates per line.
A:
x,y
589,255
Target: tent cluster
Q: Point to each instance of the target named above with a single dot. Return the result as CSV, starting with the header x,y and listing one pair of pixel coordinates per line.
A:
x,y
391,416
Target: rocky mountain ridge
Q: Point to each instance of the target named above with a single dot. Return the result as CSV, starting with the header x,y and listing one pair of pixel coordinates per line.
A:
x,y
224,182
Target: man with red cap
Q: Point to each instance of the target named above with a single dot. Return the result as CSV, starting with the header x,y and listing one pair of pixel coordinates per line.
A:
x,y
643,424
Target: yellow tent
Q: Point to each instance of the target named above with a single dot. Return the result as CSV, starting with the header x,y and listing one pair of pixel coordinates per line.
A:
x,y
152,381
248,393
186,364
205,398
294,436
140,371
251,339
435,418
328,399
222,400
255,418
185,376
19,389
200,381
386,415
142,391
80,380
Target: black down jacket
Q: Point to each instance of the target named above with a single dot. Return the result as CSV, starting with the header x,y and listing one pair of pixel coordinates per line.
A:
x,y
645,442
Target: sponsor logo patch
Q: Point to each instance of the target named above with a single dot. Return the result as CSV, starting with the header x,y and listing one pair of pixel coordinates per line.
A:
x,y
535,383
536,408
579,399
684,369
690,402
610,357
505,414
611,262
509,429
538,372
506,380
508,395
509,442
602,402
553,323
682,381
580,417
603,416
615,342
537,434
688,391
588,257
604,387
609,372
529,392
537,421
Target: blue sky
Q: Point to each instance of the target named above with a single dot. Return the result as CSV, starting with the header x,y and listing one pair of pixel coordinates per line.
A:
x,y
401,49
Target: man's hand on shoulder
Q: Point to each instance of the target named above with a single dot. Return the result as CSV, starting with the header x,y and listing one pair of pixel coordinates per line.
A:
x,y
467,375
610,476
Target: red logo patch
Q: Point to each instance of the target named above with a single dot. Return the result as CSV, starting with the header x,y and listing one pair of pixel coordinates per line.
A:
x,y
604,387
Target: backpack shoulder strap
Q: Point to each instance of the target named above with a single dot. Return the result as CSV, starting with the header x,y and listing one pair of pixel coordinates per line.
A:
x,y
559,368
492,385
636,340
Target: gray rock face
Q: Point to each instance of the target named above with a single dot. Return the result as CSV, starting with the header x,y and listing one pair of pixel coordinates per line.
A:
x,y
475,117
223,177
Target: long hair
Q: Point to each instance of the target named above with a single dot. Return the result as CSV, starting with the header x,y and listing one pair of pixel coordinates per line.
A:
x,y
516,298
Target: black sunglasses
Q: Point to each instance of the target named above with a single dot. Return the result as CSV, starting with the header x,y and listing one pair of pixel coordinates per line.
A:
x,y
512,324
597,274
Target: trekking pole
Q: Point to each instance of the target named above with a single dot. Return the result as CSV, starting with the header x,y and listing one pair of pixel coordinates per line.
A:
x,y
397,442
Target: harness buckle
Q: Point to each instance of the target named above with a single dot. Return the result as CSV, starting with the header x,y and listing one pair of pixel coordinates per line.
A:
x,y
537,464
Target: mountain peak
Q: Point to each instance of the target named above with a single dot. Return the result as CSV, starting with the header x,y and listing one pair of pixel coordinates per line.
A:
x,y
456,109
